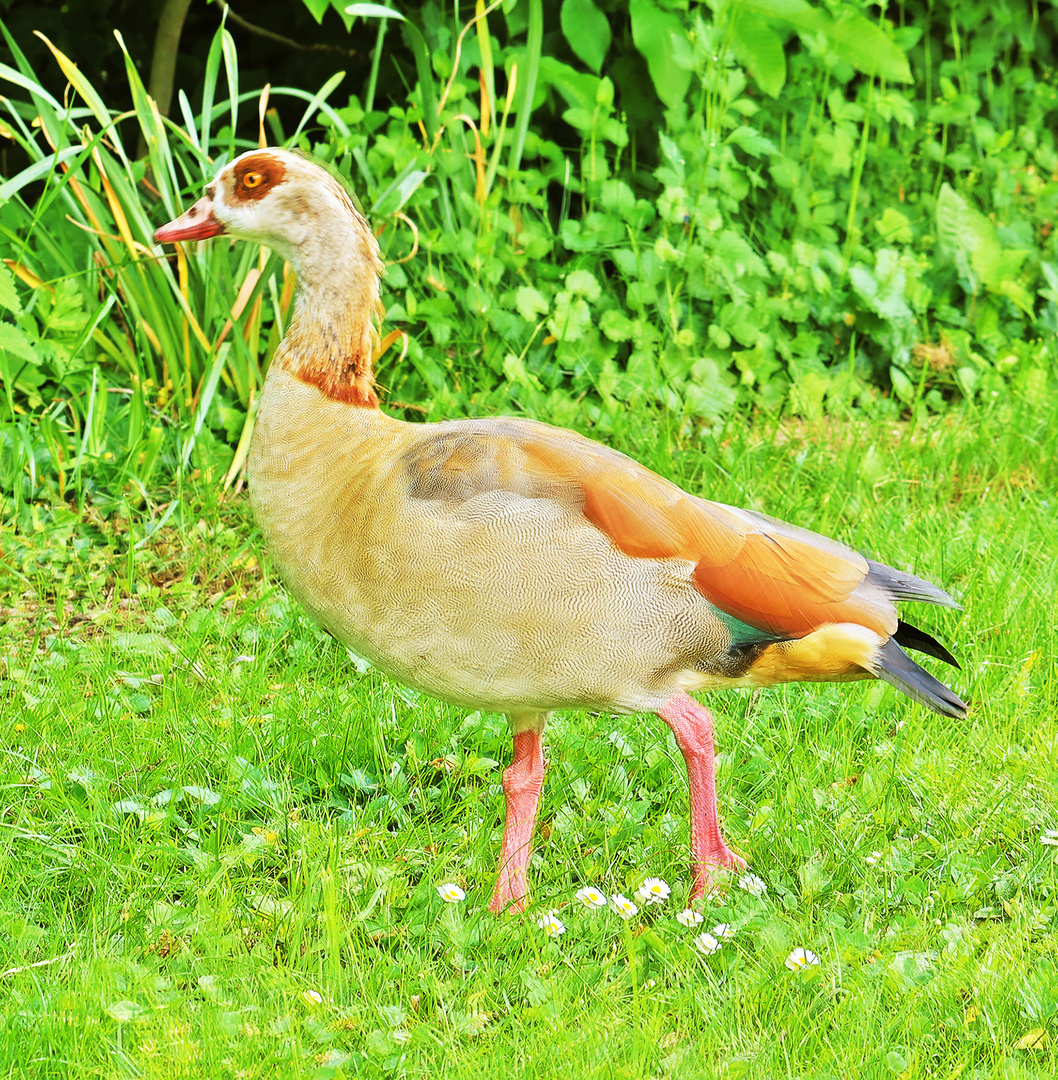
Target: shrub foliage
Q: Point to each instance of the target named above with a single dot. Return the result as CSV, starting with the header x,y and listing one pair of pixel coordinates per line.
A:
x,y
584,206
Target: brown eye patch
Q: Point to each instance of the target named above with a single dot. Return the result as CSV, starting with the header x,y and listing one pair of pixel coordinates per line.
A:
x,y
256,175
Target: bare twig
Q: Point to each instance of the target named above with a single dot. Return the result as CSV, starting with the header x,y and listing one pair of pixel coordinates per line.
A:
x,y
289,43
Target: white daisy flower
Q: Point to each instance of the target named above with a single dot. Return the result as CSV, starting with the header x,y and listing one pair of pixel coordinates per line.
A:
x,y
873,858
706,944
800,959
724,931
551,924
451,894
623,906
752,884
690,917
590,896
653,891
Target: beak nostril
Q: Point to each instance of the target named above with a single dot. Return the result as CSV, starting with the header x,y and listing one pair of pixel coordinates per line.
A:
x,y
192,212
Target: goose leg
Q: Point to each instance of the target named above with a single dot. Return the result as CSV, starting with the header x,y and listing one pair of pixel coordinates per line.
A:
x,y
522,781
693,727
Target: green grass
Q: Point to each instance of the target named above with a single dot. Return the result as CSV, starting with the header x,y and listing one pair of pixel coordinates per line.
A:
x,y
276,913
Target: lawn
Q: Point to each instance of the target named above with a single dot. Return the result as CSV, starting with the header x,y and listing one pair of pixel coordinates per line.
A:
x,y
223,839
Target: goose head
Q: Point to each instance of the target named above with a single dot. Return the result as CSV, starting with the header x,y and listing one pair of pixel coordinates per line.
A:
x,y
271,197
295,207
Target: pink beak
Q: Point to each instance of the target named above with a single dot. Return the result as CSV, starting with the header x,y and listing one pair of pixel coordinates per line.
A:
x,y
195,223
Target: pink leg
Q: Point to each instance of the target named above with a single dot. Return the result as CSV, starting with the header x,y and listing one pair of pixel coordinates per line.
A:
x,y
693,727
522,781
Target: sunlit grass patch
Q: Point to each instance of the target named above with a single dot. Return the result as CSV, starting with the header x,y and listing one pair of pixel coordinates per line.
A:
x,y
223,843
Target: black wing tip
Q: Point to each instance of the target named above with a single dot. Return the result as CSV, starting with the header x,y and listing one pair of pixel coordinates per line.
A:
x,y
910,637
899,670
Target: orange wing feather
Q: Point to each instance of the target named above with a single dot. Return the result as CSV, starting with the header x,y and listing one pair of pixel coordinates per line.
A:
x,y
771,576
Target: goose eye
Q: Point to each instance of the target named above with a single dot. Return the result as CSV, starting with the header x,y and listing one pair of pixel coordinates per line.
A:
x,y
252,179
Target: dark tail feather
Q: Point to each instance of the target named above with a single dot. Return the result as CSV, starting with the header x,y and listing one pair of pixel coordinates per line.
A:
x,y
903,586
910,637
899,670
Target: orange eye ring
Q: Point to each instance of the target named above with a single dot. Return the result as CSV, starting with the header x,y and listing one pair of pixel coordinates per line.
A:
x,y
252,179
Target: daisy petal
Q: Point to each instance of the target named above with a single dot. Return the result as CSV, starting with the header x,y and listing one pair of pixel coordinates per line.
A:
x,y
653,891
551,924
752,884
800,959
590,897
706,944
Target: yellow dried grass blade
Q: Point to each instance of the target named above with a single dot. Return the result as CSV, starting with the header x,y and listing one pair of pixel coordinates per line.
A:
x,y
243,449
385,344
86,91
247,287
486,105
486,73
27,275
190,322
115,207
262,109
478,157
151,336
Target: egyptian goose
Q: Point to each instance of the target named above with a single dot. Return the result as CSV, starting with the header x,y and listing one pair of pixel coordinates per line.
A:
x,y
509,566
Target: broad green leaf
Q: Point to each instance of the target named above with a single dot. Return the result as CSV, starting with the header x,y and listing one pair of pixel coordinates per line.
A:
x,y
759,49
894,227
515,371
1015,291
710,395
579,88
737,256
883,290
859,40
571,319
903,387
1036,1039
581,119
617,196
530,302
894,105
807,393
662,39
65,315
317,8
587,31
124,1011
203,795
584,283
750,140
959,226
976,250
864,45
616,325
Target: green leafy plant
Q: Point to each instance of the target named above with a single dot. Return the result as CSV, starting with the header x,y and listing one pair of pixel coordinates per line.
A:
x,y
625,217
108,341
